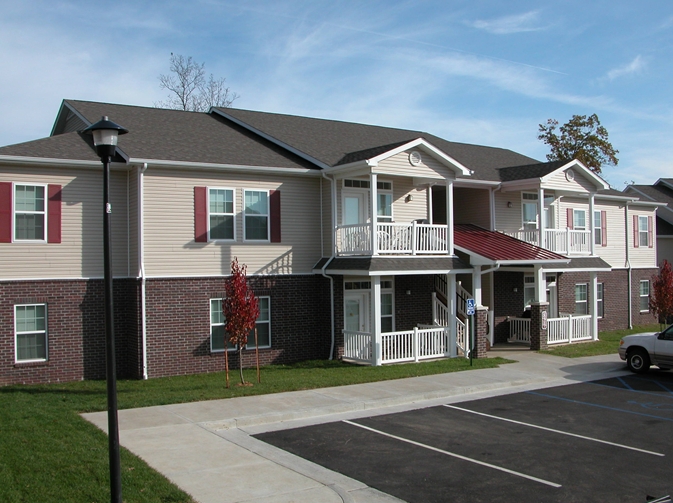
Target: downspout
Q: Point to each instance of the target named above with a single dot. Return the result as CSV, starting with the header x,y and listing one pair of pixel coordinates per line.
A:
x,y
628,264
141,264
332,255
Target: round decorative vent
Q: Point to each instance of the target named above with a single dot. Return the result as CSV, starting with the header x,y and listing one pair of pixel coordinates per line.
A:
x,y
570,175
415,158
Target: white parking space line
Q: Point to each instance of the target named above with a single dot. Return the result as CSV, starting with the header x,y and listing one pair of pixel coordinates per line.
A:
x,y
556,431
453,454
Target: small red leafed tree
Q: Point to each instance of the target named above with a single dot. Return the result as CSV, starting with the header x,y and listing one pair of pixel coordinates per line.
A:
x,y
241,310
661,298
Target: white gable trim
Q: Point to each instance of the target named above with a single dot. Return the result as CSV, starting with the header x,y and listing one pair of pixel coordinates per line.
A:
x,y
598,182
447,160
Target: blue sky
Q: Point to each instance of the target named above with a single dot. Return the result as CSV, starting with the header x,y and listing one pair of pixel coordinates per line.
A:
x,y
484,72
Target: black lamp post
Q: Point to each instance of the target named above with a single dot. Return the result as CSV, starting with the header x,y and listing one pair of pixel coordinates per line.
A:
x,y
105,133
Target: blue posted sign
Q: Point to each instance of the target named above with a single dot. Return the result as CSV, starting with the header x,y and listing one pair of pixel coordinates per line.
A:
x,y
470,307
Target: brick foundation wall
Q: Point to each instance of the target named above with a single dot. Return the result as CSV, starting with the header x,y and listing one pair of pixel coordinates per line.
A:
x,y
178,323
481,335
75,330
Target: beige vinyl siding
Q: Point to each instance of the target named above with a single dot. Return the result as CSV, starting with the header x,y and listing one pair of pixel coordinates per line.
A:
x,y
170,249
643,256
403,211
399,165
471,206
579,184
327,229
614,253
508,219
80,253
133,197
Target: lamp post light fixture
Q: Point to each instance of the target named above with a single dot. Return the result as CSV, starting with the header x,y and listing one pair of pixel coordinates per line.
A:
x,y
105,134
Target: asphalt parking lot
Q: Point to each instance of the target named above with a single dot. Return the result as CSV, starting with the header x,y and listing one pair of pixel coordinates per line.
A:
x,y
607,440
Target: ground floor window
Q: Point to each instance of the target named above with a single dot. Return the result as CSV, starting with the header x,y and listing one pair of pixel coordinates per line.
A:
x,y
387,318
528,290
263,325
599,300
217,327
644,295
30,324
581,306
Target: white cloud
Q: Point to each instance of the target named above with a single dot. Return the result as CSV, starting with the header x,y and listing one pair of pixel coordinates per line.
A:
x,y
634,66
517,23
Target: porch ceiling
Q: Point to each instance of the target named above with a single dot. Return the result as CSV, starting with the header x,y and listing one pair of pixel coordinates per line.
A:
x,y
497,247
582,264
376,266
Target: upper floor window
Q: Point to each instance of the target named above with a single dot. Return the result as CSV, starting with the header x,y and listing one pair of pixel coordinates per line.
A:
x,y
29,212
384,211
221,214
30,322
579,220
256,215
643,232
529,211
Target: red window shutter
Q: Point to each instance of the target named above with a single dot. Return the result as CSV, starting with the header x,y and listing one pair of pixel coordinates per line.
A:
x,y
650,232
635,231
54,193
569,213
274,208
200,214
604,228
5,212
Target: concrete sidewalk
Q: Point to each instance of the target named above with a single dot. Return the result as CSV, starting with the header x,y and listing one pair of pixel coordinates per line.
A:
x,y
206,448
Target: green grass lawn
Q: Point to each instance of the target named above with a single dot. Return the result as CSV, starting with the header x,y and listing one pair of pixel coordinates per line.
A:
x,y
607,343
48,453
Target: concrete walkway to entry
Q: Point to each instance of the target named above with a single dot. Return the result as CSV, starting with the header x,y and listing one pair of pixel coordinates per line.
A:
x,y
206,449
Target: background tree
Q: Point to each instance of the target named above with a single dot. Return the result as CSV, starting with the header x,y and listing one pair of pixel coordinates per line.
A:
x,y
189,88
582,138
241,310
661,298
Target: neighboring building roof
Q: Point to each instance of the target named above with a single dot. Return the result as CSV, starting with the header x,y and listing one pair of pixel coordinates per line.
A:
x,y
335,142
537,170
499,247
375,266
659,192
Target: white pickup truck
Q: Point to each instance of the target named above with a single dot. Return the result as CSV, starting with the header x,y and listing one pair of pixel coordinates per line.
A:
x,y
652,348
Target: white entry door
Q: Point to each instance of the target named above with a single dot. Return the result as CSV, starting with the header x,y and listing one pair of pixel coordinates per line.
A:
x,y
354,208
356,312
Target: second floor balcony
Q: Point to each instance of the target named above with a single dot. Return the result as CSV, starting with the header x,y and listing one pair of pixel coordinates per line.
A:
x,y
563,241
392,239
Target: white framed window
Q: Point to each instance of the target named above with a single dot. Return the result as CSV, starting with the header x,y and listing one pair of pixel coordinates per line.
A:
x,y
579,220
263,325
528,289
30,329
598,228
643,231
644,295
357,285
387,305
529,210
581,304
217,321
357,184
256,215
221,214
30,216
384,207
600,306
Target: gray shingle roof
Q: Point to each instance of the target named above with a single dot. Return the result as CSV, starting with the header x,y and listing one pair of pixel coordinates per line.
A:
x,y
336,142
537,170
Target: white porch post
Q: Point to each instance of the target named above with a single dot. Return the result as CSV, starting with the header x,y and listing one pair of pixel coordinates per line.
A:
x,y
592,239
449,216
594,305
476,285
452,305
431,215
540,217
376,319
374,213
540,284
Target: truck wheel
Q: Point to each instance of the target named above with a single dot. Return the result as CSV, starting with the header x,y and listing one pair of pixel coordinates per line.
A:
x,y
638,361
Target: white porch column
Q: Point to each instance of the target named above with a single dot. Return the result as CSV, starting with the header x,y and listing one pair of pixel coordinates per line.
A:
x,y
376,319
594,304
452,305
540,285
476,285
374,213
430,213
449,216
592,239
540,217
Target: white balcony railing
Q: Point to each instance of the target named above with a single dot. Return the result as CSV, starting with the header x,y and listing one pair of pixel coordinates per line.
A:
x,y
564,241
392,239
